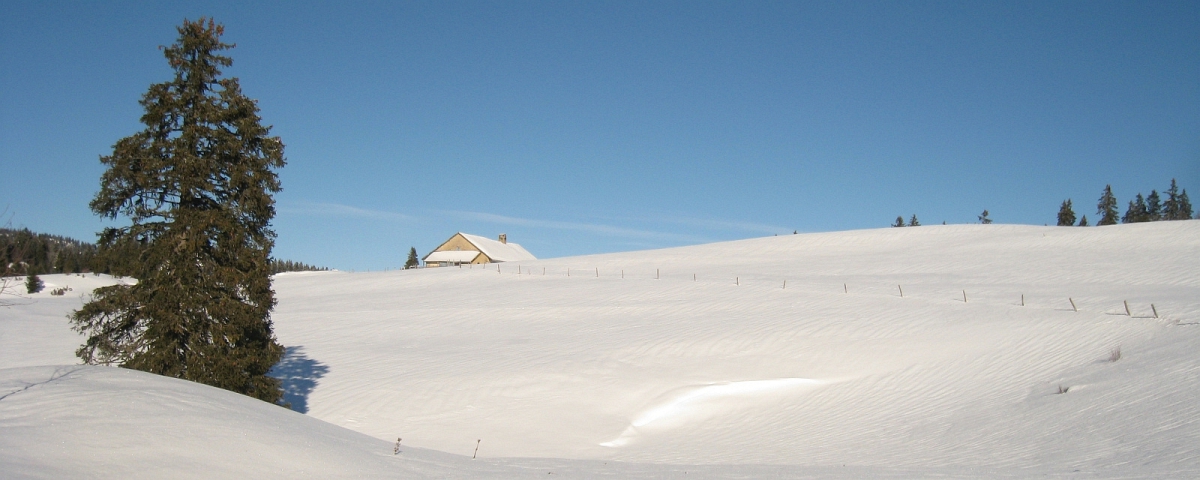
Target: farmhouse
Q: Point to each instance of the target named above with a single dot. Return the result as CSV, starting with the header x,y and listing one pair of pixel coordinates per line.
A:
x,y
466,248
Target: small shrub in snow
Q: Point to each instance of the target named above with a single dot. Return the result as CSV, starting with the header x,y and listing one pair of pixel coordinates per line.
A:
x,y
33,284
1115,354
1062,389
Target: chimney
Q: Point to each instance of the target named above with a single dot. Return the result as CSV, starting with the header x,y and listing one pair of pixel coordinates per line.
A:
x,y
503,238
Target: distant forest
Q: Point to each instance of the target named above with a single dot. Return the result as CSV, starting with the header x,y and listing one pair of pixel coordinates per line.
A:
x,y
280,266
1150,208
23,252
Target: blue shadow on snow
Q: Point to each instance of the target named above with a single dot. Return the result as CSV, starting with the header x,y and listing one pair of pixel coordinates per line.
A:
x,y
298,376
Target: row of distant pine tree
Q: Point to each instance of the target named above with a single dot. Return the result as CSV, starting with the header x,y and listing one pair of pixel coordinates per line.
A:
x,y
23,252
280,266
913,222
1151,208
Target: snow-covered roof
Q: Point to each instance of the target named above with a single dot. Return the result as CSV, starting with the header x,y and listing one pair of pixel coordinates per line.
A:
x,y
498,252
452,256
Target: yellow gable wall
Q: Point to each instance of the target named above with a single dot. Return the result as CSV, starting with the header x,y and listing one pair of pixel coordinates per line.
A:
x,y
457,243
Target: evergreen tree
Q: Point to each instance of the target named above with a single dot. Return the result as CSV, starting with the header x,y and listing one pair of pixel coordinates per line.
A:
x,y
196,186
983,218
1173,207
1136,212
412,261
1066,215
33,283
912,222
1185,206
1153,207
899,222
1083,221
1107,207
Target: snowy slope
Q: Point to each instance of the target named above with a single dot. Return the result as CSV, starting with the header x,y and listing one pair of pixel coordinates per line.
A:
x,y
734,368
64,422
698,355
34,330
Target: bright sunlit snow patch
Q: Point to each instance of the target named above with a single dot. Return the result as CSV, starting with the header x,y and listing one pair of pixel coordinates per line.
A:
x,y
683,405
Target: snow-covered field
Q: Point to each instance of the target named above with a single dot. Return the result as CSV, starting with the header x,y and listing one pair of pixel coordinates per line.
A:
x,y
674,363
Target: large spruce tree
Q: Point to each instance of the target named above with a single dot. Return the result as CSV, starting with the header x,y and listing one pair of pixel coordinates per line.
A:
x,y
196,187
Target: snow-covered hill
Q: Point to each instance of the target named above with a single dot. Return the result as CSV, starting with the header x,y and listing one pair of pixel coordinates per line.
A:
x,y
651,363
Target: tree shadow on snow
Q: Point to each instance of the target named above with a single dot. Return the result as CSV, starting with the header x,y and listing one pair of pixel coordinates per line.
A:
x,y
298,376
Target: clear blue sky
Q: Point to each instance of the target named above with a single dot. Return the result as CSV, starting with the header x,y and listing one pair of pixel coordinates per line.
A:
x,y
582,128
